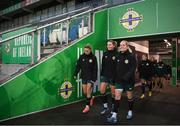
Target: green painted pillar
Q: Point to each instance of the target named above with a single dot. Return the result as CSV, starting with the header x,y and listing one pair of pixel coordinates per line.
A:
x,y
174,62
178,59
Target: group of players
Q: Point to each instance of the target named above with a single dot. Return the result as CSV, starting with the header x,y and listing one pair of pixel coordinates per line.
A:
x,y
118,68
153,74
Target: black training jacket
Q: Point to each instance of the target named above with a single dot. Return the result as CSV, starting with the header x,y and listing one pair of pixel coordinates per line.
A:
x,y
154,67
145,68
87,64
108,64
125,68
161,69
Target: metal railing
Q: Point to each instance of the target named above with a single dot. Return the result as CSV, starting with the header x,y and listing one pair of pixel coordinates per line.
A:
x,y
19,55
34,46
78,8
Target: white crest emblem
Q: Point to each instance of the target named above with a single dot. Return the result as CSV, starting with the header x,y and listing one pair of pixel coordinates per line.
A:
x,y
65,90
126,61
113,58
90,60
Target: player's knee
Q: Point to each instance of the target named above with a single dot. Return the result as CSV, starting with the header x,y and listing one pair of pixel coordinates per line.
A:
x,y
102,91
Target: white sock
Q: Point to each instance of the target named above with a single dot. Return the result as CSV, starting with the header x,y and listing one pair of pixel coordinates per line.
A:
x,y
114,115
130,113
87,106
105,105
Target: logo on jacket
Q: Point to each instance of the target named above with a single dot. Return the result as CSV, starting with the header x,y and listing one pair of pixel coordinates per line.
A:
x,y
90,60
113,58
65,90
126,61
131,19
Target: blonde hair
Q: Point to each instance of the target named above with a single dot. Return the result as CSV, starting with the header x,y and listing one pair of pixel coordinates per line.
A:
x,y
127,44
130,50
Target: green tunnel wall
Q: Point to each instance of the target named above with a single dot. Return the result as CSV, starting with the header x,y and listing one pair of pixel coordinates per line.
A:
x,y
37,89
157,17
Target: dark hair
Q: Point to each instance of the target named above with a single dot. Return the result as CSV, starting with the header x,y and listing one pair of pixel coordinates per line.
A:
x,y
113,42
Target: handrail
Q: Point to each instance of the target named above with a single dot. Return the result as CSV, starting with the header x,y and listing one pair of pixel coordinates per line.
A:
x,y
64,14
45,20
69,17
13,29
42,27
17,36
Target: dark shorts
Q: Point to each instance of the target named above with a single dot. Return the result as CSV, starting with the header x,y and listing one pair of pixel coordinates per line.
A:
x,y
161,76
87,81
146,77
107,80
125,87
